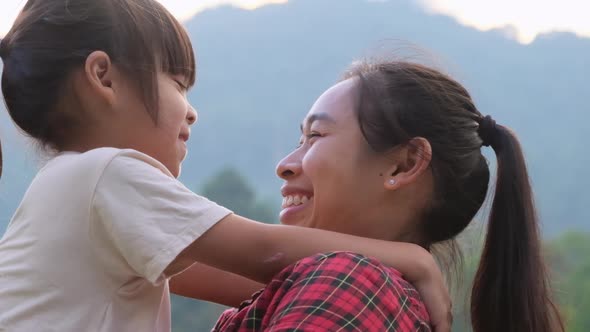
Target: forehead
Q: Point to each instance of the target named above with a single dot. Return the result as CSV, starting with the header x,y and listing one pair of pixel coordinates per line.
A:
x,y
338,102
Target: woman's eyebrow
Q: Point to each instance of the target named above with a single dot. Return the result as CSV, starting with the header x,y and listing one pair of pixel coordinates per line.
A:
x,y
316,117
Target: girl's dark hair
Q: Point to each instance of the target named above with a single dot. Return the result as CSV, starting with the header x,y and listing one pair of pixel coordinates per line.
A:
x,y
402,100
51,38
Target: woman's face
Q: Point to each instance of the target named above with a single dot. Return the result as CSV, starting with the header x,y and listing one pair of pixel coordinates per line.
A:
x,y
333,179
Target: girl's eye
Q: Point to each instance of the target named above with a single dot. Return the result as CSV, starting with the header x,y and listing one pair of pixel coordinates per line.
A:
x,y
300,143
182,86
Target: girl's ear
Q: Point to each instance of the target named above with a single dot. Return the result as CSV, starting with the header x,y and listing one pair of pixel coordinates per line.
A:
x,y
99,73
409,162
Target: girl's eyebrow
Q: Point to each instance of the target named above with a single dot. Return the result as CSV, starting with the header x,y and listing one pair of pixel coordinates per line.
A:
x,y
316,117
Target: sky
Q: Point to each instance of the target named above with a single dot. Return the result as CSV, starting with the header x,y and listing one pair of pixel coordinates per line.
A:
x,y
527,17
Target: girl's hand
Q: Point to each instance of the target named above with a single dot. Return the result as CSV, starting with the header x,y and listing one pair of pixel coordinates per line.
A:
x,y
435,294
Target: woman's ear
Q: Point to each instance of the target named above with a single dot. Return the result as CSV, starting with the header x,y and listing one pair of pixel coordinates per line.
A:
x,y
99,73
409,163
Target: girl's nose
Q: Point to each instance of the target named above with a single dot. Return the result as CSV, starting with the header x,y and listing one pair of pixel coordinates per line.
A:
x,y
191,115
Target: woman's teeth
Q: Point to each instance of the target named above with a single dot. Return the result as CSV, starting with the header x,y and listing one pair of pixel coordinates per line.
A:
x,y
295,200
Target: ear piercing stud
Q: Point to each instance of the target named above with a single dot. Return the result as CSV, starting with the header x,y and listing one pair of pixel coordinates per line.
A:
x,y
392,181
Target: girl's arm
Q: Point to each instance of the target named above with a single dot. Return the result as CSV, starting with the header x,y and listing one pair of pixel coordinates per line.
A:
x,y
207,283
258,251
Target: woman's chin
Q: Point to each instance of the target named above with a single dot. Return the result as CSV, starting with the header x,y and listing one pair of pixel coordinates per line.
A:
x,y
294,216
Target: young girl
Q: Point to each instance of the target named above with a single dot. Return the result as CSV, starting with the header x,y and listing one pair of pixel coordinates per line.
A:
x,y
105,223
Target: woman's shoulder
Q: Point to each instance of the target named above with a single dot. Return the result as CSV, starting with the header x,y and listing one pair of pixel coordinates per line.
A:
x,y
363,274
361,284
329,291
350,262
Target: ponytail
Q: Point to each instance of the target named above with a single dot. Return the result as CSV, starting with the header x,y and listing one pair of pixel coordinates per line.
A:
x,y
511,291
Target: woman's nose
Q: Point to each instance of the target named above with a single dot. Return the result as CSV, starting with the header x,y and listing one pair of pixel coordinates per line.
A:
x,y
289,167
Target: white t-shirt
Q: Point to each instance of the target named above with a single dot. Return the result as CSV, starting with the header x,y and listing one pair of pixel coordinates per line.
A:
x,y
87,247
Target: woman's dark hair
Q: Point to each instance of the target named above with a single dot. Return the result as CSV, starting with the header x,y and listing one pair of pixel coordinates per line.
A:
x,y
51,38
402,100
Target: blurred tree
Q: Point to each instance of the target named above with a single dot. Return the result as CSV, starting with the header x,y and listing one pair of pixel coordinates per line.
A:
x,y
229,188
569,261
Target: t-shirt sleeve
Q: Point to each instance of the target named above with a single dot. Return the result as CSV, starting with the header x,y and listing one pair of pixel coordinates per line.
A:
x,y
343,291
147,215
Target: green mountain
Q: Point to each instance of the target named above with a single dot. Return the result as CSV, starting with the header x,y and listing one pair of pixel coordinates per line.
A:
x,y
260,71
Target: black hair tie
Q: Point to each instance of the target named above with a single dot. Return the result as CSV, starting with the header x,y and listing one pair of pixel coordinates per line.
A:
x,y
488,131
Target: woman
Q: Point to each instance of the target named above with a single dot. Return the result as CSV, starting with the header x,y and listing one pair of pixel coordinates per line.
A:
x,y
398,145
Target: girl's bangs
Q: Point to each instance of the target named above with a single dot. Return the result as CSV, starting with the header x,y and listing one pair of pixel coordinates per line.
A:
x,y
175,50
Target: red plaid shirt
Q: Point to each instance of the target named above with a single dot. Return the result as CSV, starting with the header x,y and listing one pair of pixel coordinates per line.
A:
x,y
331,292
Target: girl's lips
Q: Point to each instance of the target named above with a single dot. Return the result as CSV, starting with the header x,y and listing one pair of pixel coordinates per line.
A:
x,y
184,136
184,150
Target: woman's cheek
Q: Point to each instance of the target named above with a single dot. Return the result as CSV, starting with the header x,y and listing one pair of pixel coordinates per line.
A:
x,y
312,162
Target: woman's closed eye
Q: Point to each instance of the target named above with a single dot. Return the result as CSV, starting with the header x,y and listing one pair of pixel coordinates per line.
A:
x,y
313,134
309,138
